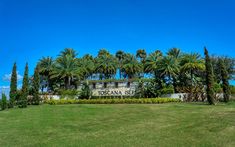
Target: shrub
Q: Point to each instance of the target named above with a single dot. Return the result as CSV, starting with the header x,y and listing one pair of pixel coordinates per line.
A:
x,y
167,90
232,89
4,102
68,94
86,92
113,101
22,102
217,88
193,93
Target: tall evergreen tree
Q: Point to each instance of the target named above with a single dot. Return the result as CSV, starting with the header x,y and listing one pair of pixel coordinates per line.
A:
x,y
224,77
36,86
13,86
25,88
209,79
3,102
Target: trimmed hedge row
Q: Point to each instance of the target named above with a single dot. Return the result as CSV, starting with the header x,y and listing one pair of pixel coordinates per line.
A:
x,y
113,101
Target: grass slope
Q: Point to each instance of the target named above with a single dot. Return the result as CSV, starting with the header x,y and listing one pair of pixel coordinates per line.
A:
x,y
119,125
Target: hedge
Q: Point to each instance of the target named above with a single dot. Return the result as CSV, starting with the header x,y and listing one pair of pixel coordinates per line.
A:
x,y
113,101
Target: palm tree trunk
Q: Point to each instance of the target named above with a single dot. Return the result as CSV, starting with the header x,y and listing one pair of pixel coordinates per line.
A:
x,y
169,76
174,84
191,77
69,82
49,87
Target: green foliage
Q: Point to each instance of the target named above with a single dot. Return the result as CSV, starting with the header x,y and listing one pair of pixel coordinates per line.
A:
x,y
229,64
190,65
68,94
131,67
115,101
225,83
22,102
167,90
146,89
68,52
25,86
169,67
152,62
106,65
87,66
86,92
121,80
141,53
217,88
152,89
46,67
13,86
174,52
120,55
140,90
36,86
209,79
67,71
66,68
232,89
3,102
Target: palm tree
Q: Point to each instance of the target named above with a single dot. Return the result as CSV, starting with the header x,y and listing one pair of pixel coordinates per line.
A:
x,y
87,66
152,66
106,65
191,63
169,67
103,52
130,66
141,54
152,62
88,57
120,56
175,52
45,68
68,51
66,68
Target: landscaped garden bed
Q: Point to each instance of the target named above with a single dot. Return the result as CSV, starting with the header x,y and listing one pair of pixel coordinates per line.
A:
x,y
114,101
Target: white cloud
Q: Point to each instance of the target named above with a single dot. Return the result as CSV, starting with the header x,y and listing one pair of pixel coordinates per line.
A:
x,y
7,77
8,87
4,87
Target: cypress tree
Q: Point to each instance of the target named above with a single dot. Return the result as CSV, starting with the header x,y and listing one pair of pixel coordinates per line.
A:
x,y
209,79
225,84
3,102
25,88
36,86
13,86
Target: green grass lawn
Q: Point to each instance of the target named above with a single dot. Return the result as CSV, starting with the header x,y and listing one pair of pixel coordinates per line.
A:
x,y
172,124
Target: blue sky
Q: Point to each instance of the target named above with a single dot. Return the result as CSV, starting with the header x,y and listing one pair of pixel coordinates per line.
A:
x,y
30,29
